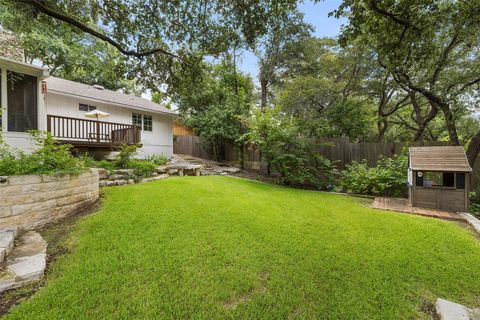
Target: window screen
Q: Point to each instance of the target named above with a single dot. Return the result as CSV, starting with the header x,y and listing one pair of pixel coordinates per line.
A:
x,y
137,120
22,102
460,180
147,123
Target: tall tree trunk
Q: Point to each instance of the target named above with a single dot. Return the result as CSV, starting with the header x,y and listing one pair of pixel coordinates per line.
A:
x,y
450,123
473,149
264,88
420,134
382,126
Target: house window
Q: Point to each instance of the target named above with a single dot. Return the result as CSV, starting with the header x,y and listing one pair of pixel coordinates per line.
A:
x,y
21,102
86,107
137,120
147,123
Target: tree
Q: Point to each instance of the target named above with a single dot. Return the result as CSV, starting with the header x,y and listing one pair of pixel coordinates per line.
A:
x,y
429,46
278,47
323,91
68,54
214,105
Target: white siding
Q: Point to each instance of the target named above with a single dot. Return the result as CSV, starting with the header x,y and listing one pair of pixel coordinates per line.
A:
x,y
158,141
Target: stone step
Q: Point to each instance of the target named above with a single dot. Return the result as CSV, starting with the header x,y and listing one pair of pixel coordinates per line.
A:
x,y
448,310
25,263
7,237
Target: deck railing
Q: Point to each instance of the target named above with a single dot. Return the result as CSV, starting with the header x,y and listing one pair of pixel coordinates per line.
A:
x,y
92,131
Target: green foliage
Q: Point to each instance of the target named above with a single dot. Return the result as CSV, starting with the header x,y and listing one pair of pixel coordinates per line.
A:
x,y
290,154
125,156
213,107
387,178
105,164
157,159
51,158
88,160
142,169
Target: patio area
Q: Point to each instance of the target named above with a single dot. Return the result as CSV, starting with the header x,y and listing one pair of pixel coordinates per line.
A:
x,y
402,205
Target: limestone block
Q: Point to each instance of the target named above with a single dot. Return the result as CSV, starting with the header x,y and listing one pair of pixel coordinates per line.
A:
x,y
19,180
103,173
33,207
5,212
161,169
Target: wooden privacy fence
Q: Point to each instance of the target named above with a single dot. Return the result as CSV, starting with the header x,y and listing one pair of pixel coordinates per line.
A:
x,y
340,150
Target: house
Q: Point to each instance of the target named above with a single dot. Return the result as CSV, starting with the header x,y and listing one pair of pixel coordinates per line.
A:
x,y
33,100
439,178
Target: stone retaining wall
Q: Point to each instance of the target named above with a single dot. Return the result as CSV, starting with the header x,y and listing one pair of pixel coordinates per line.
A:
x,y
35,200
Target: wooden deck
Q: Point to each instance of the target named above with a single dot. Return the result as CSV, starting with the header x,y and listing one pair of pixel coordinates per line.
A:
x,y
85,133
402,205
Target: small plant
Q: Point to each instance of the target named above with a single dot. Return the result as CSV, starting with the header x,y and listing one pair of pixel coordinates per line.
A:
x,y
126,155
157,159
105,164
88,160
51,158
142,169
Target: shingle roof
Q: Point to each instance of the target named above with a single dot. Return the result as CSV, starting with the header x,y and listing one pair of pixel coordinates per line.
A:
x,y
444,158
63,86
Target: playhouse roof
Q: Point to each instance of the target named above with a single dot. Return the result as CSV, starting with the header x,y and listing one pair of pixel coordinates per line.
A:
x,y
444,158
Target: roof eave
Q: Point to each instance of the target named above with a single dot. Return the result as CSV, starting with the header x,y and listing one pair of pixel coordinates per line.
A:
x,y
123,105
23,67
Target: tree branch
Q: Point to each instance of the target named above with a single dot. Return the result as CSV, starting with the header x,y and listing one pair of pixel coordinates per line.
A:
x,y
37,4
385,13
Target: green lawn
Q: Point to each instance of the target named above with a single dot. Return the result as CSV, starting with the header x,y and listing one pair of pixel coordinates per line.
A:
x,y
225,248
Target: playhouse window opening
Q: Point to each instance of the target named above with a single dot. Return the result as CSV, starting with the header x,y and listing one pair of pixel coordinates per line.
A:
x,y
439,179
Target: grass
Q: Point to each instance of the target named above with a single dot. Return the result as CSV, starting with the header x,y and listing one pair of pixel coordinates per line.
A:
x,y
225,248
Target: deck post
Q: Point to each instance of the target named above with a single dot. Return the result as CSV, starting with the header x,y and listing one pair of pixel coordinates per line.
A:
x,y
98,131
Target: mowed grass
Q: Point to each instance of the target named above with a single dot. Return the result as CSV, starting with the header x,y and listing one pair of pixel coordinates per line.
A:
x,y
225,248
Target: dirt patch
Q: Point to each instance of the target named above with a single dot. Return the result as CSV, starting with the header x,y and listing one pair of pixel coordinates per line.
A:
x,y
56,236
427,307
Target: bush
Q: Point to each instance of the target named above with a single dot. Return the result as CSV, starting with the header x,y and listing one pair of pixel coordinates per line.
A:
x,y
157,159
142,169
289,151
51,158
387,178
126,156
475,202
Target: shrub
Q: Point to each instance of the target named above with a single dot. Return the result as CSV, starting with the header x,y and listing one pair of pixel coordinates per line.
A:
x,y
105,164
387,178
142,169
126,155
475,202
88,160
157,159
289,151
51,158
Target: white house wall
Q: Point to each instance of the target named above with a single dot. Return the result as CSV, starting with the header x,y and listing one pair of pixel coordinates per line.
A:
x,y
157,141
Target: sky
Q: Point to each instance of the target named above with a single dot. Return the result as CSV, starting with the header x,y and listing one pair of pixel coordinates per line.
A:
x,y
315,14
